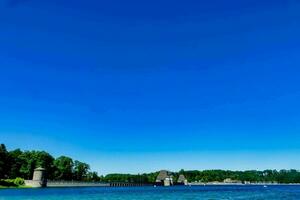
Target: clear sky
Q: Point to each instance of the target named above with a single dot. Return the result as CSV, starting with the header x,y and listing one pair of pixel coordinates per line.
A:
x,y
136,86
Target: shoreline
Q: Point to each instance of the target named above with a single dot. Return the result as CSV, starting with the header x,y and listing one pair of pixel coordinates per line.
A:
x,y
190,185
241,184
15,187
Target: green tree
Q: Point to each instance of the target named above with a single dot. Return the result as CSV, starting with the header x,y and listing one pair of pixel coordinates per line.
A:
x,y
63,168
93,176
3,161
80,170
32,159
15,163
28,164
45,160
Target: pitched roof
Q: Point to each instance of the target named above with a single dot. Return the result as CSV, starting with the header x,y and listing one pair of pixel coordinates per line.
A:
x,y
39,169
163,174
181,178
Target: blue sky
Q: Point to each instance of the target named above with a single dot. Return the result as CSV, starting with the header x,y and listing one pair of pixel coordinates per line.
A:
x,y
134,86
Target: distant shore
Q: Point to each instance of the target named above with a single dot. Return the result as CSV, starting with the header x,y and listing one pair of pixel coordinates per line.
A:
x,y
14,187
67,185
247,184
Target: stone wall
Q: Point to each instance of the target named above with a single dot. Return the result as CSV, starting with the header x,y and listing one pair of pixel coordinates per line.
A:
x,y
75,184
34,184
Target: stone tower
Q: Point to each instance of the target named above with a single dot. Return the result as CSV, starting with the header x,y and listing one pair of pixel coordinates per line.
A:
x,y
39,178
182,180
164,178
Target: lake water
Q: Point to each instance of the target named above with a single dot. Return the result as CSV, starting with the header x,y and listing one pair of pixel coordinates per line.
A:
x,y
158,193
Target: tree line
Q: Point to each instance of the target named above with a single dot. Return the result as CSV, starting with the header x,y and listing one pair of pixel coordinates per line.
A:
x,y
17,163
252,176
130,178
206,176
21,164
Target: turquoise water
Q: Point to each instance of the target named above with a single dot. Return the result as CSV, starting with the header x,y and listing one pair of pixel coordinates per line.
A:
x,y
159,193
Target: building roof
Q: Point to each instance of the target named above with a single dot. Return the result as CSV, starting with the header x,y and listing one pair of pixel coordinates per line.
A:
x,y
163,174
39,169
181,178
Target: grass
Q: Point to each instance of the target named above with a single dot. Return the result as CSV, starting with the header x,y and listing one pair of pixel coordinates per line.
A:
x,y
13,183
14,187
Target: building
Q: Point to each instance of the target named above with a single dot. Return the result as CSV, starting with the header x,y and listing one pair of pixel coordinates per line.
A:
x,y
182,180
39,178
230,181
164,178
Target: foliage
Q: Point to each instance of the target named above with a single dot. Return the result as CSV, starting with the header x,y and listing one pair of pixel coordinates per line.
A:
x,y
21,164
3,161
80,170
127,178
64,168
12,182
17,163
93,177
253,176
30,160
7,183
19,181
205,176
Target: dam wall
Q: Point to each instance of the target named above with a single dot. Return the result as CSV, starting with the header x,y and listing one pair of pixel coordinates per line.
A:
x,y
75,184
